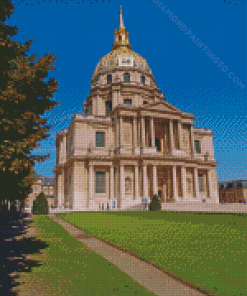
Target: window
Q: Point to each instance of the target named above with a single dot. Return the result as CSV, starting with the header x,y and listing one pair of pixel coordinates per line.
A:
x,y
127,102
100,182
157,144
108,106
109,78
100,139
143,79
113,204
198,146
126,77
108,206
145,102
201,184
120,37
229,185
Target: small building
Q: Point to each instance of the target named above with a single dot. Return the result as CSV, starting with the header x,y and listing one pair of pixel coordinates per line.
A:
x,y
233,191
41,183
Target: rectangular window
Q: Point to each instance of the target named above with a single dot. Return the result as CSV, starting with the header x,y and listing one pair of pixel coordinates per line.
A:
x,y
127,102
100,182
108,106
201,183
198,146
100,139
145,102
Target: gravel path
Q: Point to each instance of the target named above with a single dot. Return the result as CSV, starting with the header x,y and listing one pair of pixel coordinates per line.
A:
x,y
147,275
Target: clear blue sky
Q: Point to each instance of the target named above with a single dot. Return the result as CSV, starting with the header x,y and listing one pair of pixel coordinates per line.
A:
x,y
80,32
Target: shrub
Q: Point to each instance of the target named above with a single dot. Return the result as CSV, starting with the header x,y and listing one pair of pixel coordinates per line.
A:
x,y
155,204
40,204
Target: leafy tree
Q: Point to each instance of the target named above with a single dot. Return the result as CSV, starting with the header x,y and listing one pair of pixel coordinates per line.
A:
x,y
155,204
24,98
40,204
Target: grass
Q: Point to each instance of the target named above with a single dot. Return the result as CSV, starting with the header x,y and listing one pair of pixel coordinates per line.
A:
x,y
72,269
207,250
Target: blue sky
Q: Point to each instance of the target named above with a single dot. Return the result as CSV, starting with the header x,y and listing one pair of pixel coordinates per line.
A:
x,y
196,49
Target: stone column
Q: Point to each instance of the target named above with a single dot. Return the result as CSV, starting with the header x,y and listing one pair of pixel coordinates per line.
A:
x,y
174,181
196,182
155,181
179,135
145,181
121,131
134,132
91,182
122,182
152,131
61,190
171,134
143,130
192,140
210,189
112,182
116,132
183,181
136,182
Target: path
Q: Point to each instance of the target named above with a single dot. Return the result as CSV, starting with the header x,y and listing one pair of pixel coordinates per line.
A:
x,y
153,279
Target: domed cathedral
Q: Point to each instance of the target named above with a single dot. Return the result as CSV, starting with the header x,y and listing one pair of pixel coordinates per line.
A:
x,y
131,144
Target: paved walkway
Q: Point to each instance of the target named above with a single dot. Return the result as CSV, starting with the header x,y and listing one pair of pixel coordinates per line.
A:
x,y
150,277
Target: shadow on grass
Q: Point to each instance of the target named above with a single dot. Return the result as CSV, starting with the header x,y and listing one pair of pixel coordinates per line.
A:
x,y
14,250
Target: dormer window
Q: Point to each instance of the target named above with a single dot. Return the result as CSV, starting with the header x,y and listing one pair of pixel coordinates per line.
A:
x,y
109,78
127,102
143,79
126,77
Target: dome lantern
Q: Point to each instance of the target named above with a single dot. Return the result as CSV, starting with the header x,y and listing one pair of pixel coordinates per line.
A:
x,y
121,36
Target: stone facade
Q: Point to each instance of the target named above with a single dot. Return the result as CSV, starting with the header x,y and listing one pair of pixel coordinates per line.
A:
x,y
45,184
233,191
131,143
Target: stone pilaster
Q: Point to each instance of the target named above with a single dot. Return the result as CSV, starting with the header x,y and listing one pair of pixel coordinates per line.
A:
x,y
152,131
192,140
121,131
183,182
143,131
61,190
155,180
179,135
91,181
196,182
122,182
174,182
145,182
171,134
137,182
112,182
210,190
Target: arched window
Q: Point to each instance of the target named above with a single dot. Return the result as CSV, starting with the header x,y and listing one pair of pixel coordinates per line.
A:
x,y
126,77
143,79
120,37
109,78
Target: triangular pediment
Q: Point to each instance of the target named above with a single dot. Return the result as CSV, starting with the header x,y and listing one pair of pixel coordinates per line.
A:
x,y
162,106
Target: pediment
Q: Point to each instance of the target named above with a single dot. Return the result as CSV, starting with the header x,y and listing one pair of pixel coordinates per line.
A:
x,y
162,106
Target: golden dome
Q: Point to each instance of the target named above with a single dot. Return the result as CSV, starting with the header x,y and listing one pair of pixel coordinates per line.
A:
x,y
121,55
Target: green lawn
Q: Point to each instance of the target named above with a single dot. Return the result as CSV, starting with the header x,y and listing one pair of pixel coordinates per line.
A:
x,y
207,250
72,269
